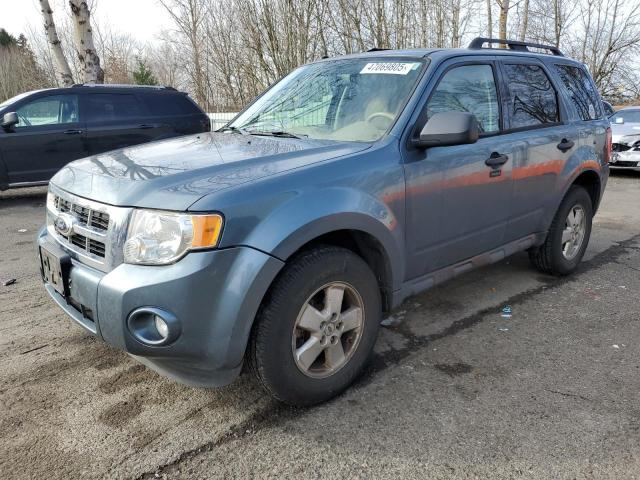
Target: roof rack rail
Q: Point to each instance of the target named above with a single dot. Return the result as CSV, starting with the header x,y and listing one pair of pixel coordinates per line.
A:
x,y
377,49
478,42
122,85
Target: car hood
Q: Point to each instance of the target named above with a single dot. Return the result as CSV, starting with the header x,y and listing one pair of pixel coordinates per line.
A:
x,y
620,130
173,174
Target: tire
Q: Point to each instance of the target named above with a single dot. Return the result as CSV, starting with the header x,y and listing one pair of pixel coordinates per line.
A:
x,y
554,256
305,292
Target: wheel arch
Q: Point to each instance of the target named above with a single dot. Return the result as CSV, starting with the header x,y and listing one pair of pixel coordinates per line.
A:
x,y
367,247
590,181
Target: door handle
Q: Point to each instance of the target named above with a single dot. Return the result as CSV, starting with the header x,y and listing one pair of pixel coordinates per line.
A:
x,y
565,145
146,126
72,132
496,160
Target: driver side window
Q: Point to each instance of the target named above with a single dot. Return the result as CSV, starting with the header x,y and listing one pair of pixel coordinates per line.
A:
x,y
468,88
52,110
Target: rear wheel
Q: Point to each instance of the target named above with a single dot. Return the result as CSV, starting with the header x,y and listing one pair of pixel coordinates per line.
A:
x,y
568,236
316,329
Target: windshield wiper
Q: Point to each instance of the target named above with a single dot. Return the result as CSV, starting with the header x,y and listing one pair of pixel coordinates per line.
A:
x,y
233,129
279,133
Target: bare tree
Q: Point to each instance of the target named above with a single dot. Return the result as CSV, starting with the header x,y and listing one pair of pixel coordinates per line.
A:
x,y
504,6
62,66
85,47
188,16
524,23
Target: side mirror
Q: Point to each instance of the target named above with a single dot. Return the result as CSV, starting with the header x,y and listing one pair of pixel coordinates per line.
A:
x,y
448,128
9,120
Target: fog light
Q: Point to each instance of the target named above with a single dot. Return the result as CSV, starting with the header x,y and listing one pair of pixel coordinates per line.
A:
x,y
154,326
162,327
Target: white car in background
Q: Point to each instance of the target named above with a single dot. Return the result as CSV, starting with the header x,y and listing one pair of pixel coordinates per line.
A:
x,y
625,126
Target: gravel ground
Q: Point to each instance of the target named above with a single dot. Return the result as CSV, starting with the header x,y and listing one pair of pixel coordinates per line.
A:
x,y
455,390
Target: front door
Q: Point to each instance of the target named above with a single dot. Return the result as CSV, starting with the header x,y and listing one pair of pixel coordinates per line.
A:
x,y
49,135
457,205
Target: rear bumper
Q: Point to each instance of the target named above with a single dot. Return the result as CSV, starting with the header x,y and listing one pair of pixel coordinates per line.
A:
x,y
214,295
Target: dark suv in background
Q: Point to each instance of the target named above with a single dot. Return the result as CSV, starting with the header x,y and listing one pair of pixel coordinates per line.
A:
x,y
42,131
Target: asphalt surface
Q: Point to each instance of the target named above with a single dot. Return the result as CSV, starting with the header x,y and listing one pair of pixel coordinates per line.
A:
x,y
455,390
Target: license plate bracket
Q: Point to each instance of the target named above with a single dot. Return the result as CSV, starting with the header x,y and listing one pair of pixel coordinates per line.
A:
x,y
55,270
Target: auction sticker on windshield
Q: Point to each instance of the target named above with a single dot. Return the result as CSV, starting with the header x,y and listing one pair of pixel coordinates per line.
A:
x,y
393,68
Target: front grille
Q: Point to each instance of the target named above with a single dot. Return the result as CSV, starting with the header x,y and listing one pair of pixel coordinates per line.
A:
x,y
94,223
624,163
97,232
85,216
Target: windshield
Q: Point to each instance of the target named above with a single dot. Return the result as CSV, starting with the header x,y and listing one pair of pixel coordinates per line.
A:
x,y
350,100
625,116
8,102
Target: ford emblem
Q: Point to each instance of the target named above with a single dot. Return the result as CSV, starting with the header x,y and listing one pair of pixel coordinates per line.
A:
x,y
63,224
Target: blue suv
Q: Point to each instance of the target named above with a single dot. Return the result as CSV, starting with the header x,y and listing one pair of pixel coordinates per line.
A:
x,y
281,240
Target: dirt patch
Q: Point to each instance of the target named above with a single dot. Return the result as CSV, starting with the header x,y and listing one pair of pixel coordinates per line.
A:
x,y
120,414
133,375
453,369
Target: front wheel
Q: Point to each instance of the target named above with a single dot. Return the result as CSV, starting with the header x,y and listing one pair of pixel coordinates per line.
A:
x,y
568,236
316,329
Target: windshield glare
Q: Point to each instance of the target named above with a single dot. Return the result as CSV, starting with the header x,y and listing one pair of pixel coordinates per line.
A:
x,y
627,116
349,100
8,102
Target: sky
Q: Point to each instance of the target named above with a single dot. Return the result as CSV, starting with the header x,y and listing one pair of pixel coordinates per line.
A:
x,y
142,19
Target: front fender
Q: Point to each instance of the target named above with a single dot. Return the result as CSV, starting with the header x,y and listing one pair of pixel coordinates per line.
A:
x,y
304,216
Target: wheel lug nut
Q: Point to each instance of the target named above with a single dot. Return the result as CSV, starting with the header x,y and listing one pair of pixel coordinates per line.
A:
x,y
334,340
322,325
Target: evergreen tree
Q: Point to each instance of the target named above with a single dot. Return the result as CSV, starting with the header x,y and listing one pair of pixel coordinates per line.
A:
x,y
6,39
143,75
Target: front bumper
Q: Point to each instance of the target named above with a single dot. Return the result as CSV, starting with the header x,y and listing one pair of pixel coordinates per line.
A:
x,y
214,294
629,160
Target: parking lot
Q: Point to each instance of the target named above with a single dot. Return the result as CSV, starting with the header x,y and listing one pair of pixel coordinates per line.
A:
x,y
455,389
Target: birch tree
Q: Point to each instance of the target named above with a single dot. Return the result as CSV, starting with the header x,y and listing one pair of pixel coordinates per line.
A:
x,y
85,47
62,66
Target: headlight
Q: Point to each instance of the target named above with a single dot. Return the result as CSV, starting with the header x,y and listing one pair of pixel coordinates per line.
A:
x,y
159,238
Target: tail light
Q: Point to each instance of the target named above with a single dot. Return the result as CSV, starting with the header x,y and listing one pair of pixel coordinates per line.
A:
x,y
608,146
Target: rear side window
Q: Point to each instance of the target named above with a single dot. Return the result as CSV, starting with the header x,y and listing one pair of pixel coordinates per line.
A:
x,y
164,104
113,106
532,98
582,93
468,88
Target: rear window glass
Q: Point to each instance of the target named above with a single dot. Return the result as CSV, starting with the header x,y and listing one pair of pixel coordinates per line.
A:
x,y
168,104
582,93
113,106
532,98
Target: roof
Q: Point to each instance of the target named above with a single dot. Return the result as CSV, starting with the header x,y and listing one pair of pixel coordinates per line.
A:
x,y
515,48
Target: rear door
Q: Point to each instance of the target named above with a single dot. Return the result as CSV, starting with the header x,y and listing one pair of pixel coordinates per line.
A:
x,y
49,135
458,206
585,109
173,113
534,112
115,120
